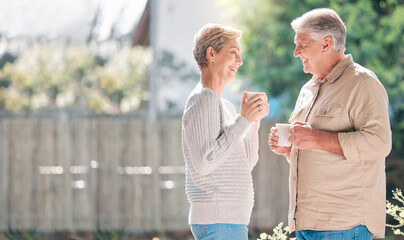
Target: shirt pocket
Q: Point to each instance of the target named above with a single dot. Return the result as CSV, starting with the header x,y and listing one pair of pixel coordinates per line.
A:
x,y
329,111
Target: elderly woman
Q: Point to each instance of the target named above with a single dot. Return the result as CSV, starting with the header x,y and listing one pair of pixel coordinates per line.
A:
x,y
220,146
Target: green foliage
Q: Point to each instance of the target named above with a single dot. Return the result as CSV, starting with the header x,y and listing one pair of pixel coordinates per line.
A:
x,y
124,79
58,76
21,235
374,38
105,235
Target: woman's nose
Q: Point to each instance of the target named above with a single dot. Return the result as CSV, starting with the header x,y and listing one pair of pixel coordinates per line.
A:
x,y
239,60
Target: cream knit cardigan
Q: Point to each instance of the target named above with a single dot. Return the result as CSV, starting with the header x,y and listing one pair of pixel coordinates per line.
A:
x,y
220,148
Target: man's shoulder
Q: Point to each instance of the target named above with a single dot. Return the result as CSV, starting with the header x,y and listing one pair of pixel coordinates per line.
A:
x,y
363,73
364,77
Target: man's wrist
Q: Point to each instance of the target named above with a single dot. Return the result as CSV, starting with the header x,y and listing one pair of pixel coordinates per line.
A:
x,y
319,138
328,141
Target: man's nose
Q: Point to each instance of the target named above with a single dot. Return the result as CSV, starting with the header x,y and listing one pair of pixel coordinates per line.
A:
x,y
297,51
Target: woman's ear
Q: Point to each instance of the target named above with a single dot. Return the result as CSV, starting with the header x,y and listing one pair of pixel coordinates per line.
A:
x,y
210,54
327,44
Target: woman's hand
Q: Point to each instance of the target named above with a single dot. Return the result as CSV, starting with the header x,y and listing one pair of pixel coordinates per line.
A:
x,y
256,108
273,144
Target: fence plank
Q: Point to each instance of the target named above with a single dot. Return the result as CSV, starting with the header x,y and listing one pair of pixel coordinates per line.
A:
x,y
80,177
142,185
174,208
64,159
4,173
153,151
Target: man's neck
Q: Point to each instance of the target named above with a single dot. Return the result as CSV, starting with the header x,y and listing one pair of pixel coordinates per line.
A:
x,y
329,64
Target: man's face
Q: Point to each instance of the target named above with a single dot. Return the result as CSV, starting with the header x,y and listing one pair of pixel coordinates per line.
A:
x,y
310,52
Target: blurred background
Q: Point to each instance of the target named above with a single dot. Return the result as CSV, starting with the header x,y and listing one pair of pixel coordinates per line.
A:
x,y
91,100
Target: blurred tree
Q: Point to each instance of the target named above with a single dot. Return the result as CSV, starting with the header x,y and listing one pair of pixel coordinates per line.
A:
x,y
5,58
374,38
124,77
58,76
92,35
34,74
174,74
79,66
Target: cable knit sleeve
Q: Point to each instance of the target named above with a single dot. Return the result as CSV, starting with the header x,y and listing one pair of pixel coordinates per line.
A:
x,y
208,147
251,144
250,139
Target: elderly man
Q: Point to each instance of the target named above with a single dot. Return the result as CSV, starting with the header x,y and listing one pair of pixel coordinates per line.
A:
x,y
340,136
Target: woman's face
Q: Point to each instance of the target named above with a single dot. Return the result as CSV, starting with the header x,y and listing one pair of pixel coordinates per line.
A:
x,y
228,60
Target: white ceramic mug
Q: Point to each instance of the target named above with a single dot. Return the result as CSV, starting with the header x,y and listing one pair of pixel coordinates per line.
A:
x,y
282,131
252,94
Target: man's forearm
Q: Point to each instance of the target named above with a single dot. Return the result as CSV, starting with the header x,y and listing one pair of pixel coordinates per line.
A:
x,y
328,141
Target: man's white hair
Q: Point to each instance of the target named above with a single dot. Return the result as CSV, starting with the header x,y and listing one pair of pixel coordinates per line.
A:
x,y
320,23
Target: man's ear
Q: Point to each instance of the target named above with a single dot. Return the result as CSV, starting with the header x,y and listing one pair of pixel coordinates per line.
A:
x,y
210,54
327,44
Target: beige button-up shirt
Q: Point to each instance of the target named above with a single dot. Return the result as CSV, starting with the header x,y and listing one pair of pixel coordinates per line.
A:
x,y
329,191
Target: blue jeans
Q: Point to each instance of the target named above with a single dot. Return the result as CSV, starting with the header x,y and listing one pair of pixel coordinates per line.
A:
x,y
356,233
219,231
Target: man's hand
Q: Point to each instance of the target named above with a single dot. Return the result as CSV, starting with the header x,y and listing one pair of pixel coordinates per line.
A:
x,y
273,144
304,136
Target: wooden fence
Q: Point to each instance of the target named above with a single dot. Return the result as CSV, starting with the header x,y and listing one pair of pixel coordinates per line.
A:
x,y
77,173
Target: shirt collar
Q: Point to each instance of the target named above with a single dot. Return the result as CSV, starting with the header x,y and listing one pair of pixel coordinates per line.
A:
x,y
338,69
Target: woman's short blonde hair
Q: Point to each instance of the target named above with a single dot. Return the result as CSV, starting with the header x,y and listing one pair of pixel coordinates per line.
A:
x,y
212,35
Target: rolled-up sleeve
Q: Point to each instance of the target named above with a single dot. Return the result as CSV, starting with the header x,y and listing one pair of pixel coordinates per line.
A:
x,y
369,115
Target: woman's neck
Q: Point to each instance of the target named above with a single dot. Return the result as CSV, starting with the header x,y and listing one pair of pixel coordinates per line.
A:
x,y
212,82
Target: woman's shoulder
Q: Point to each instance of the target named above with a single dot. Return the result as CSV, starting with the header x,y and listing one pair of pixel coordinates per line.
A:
x,y
201,104
201,97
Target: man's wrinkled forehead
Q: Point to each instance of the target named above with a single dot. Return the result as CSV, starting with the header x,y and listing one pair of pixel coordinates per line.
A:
x,y
302,37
